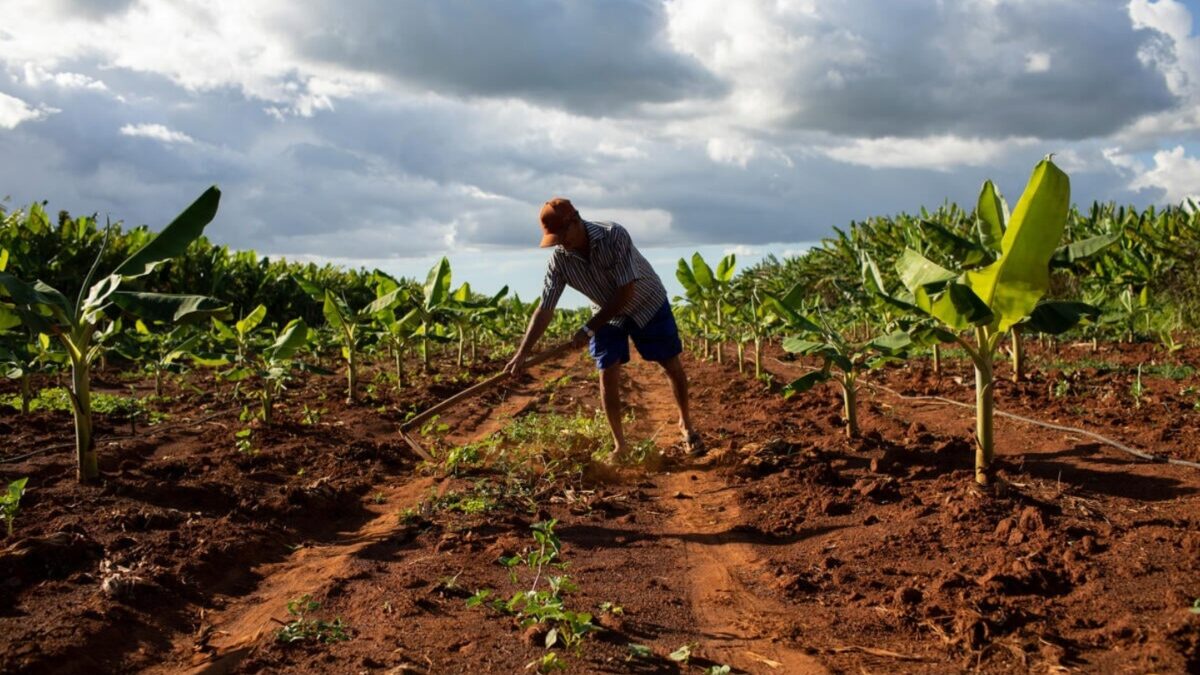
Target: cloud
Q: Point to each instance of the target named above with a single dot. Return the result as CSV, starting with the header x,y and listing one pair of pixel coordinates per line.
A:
x,y
940,153
850,69
157,132
733,151
1037,62
1174,173
1174,52
14,111
591,58
36,76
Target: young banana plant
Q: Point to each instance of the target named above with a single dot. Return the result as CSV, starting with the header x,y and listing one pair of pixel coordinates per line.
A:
x,y
843,360
708,291
78,324
349,324
24,353
989,301
159,354
469,314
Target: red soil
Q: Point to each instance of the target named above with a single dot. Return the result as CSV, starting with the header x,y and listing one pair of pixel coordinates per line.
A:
x,y
788,549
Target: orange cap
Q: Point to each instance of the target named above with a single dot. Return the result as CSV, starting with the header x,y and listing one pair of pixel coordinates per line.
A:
x,y
556,214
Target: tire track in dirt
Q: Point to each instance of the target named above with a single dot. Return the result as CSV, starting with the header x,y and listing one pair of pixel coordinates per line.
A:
x,y
228,635
735,625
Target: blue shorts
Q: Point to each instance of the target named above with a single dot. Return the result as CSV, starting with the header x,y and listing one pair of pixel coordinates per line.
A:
x,y
658,340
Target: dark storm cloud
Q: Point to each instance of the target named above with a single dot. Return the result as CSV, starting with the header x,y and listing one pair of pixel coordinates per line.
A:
x,y
592,58
935,68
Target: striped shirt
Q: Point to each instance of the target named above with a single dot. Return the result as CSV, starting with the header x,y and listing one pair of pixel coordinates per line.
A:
x,y
612,262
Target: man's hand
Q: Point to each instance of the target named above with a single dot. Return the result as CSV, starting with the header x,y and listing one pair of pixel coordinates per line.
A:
x,y
580,339
517,364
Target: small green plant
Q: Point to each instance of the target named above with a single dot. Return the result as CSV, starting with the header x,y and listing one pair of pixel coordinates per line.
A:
x,y
304,629
311,416
1137,390
243,439
378,498
683,654
1195,608
637,651
544,603
10,502
614,609
549,663
1061,389
718,670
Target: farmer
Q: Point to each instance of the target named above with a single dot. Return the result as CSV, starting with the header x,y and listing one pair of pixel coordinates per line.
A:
x,y
600,261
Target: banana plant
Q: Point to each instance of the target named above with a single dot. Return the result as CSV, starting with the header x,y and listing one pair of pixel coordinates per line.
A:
x,y
843,360
22,355
349,324
989,301
433,308
272,364
469,315
158,354
709,291
79,325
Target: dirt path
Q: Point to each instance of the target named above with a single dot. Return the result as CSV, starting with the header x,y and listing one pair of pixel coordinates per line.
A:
x,y
735,625
227,635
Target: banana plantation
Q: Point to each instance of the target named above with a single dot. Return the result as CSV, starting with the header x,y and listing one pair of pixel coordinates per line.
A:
x,y
962,439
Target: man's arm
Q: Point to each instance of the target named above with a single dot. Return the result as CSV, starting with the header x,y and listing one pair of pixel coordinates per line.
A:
x,y
533,332
612,308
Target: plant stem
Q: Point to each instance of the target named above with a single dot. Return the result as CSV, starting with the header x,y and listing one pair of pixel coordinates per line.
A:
x,y
757,357
1018,356
26,393
984,388
937,359
351,373
850,398
88,470
399,369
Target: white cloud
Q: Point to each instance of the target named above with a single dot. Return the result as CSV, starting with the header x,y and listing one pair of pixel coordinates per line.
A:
x,y
742,250
940,153
1037,62
14,111
1176,174
733,151
609,149
36,76
1177,57
157,132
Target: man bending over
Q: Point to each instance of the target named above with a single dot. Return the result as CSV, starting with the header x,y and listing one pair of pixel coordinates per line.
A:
x,y
600,261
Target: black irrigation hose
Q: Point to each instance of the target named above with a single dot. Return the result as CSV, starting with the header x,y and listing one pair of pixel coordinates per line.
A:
x,y
151,432
1159,459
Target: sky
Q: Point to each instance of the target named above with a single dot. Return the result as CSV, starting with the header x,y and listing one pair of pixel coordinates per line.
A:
x,y
386,133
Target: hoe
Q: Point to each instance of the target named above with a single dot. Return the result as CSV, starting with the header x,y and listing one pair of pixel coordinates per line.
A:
x,y
470,392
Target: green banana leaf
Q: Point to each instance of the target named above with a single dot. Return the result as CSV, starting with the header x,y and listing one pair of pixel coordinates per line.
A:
x,y
703,273
174,238
1013,284
686,279
992,212
725,268
170,308
1082,249
437,285
805,382
1059,316
251,320
293,336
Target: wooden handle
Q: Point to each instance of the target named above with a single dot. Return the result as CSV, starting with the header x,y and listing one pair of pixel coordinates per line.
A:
x,y
477,389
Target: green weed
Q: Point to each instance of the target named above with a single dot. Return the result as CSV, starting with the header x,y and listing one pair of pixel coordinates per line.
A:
x,y
304,629
10,502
